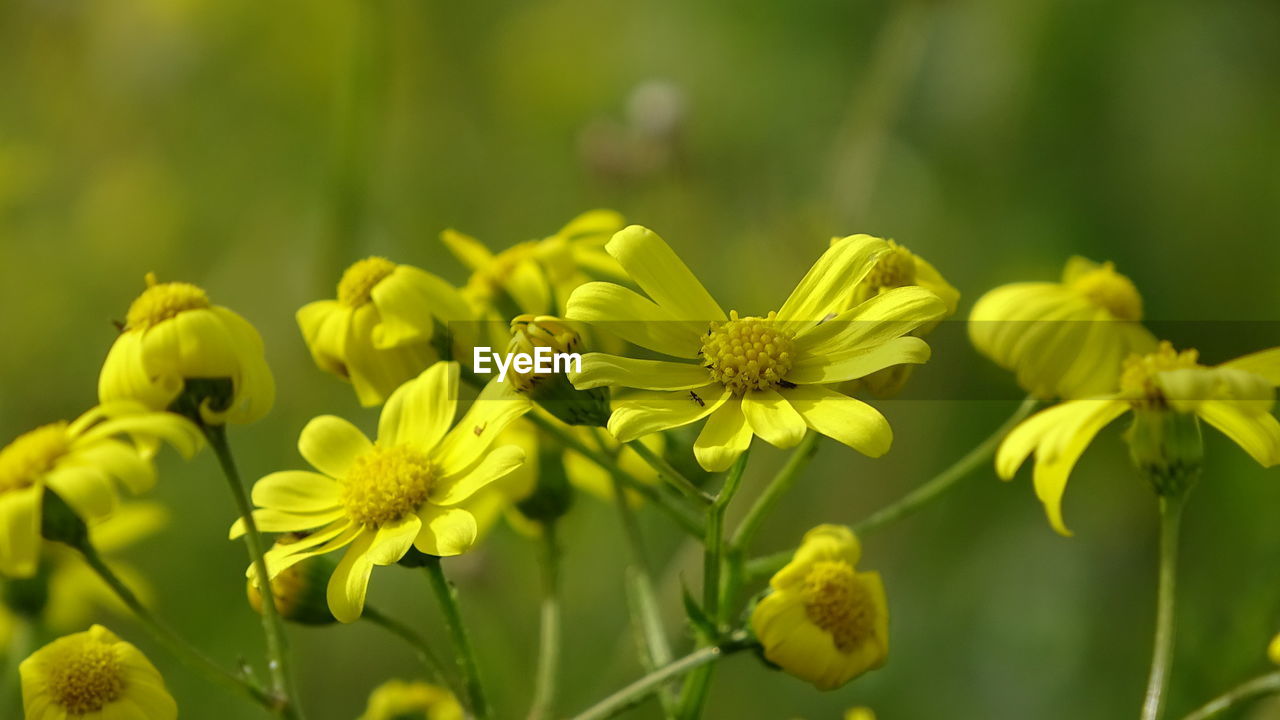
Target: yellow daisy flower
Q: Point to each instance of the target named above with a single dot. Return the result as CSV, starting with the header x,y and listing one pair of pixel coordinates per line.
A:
x,y
824,622
379,499
172,335
81,461
767,376
1235,397
93,674
897,267
1064,339
385,327
537,276
401,700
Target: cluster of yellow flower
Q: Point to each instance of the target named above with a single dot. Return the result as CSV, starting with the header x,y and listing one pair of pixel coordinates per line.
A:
x,y
429,485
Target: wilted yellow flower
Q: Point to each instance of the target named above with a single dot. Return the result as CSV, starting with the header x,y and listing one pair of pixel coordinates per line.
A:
x,y
387,325
767,376
173,335
1064,339
1235,397
897,267
380,499
93,674
824,621
537,276
401,700
82,462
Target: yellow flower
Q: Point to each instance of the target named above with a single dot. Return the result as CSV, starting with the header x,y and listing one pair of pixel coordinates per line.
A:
x,y
173,335
537,276
81,461
767,376
93,674
1235,397
401,700
72,592
824,621
1064,339
898,267
384,328
1273,651
380,499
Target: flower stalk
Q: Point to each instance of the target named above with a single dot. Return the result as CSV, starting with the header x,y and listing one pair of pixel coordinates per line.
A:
x,y
544,694
447,597
1171,508
432,664
1268,684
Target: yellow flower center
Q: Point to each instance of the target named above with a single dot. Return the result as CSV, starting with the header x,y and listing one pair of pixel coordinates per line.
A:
x,y
385,484
85,678
896,268
750,353
31,455
357,283
161,301
835,601
1138,380
1109,289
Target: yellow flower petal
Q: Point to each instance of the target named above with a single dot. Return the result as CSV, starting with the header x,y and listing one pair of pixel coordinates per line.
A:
x,y
350,580
823,289
842,418
497,406
725,437
648,412
662,275
1063,444
273,520
824,542
453,489
600,370
324,325
410,302
176,430
394,539
635,319
331,537
851,364
876,321
86,489
255,386
20,531
1264,363
376,373
125,376
1256,434
772,418
419,412
445,531
331,444
297,491
469,251
117,460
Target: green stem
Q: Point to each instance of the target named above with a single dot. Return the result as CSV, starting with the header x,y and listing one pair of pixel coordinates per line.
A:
x,y
637,691
544,693
935,488
430,662
678,512
670,474
282,686
179,647
1257,687
1171,507
447,596
781,483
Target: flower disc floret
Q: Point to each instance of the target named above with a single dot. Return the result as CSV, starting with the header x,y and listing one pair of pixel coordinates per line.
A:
x,y
85,676
31,455
162,301
385,484
1138,381
1109,289
836,602
355,289
750,353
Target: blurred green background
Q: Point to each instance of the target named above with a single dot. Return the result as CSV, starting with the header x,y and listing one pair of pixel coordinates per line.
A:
x,y
257,148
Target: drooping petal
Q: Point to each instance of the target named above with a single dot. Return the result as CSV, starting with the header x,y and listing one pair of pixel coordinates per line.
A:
x,y
1256,434
453,489
419,412
773,418
822,290
87,490
724,438
635,318
654,411
334,536
126,375
255,386
497,406
1264,363
376,372
1062,445
600,370
350,580
325,325
446,531
297,491
469,251
20,531
410,302
857,363
842,418
331,444
1027,436
656,268
146,428
394,539
115,459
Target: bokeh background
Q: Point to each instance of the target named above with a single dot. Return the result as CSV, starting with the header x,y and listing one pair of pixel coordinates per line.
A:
x,y
257,148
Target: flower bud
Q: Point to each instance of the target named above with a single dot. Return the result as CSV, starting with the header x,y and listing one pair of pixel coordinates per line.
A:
x,y
299,590
553,391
